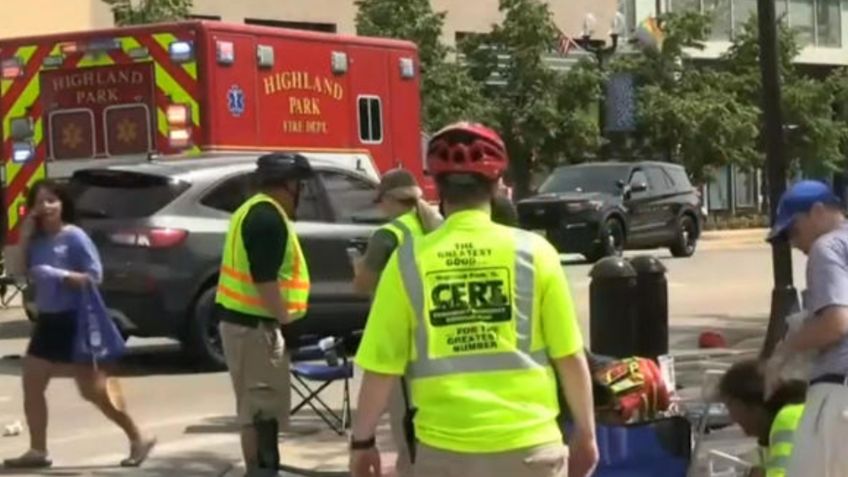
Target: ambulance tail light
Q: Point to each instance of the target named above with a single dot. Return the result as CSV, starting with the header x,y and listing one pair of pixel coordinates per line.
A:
x,y
22,211
179,138
70,48
155,237
178,115
12,68
22,152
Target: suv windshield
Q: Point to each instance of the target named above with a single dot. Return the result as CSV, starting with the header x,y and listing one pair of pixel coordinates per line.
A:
x,y
122,194
600,178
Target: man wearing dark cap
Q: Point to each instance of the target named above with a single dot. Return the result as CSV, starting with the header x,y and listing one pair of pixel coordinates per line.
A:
x,y
263,286
810,216
400,199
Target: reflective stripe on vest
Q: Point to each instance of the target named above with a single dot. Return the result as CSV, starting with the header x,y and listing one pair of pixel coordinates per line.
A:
x,y
236,289
781,439
405,226
521,358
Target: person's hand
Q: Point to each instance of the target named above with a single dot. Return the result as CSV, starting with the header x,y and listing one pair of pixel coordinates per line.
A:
x,y
365,463
582,455
28,225
77,280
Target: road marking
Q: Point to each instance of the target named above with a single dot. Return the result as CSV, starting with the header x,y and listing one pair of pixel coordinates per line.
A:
x,y
163,449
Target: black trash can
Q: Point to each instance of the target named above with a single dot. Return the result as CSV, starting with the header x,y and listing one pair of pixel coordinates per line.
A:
x,y
652,306
612,308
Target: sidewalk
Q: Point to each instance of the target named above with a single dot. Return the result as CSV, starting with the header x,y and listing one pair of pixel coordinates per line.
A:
x,y
315,451
713,239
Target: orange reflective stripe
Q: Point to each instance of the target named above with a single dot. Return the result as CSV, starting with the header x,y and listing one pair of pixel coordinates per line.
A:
x,y
254,301
239,297
245,278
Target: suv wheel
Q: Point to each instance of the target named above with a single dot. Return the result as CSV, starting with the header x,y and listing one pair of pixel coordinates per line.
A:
x,y
202,341
612,241
687,238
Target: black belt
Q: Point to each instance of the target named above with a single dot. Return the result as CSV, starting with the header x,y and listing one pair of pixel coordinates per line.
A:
x,y
243,320
839,379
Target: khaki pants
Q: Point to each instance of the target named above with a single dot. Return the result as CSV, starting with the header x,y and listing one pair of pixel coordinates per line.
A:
x,y
549,460
259,369
819,447
397,412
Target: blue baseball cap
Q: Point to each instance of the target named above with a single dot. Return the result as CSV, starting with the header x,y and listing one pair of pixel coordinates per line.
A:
x,y
800,199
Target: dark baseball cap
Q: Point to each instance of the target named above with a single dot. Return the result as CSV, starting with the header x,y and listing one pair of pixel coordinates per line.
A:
x,y
800,199
395,179
283,166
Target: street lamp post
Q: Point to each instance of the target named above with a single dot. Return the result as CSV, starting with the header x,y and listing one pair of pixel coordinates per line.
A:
x,y
602,52
784,298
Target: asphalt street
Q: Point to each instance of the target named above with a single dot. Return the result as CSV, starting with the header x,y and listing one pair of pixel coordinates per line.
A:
x,y
724,288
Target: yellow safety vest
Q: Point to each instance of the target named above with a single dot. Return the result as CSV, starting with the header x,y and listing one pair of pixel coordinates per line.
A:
x,y
407,225
781,439
236,290
476,334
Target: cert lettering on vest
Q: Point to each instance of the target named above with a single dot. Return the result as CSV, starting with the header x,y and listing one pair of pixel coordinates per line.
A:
x,y
469,310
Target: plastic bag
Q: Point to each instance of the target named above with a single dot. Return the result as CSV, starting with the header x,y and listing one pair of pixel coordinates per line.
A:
x,y
97,337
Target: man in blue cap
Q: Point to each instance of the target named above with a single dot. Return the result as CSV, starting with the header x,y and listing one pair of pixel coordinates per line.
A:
x,y
810,216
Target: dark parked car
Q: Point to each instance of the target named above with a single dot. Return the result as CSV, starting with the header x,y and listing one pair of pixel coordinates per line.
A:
x,y
601,209
160,229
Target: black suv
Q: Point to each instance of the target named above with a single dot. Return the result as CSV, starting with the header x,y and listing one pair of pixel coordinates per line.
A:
x,y
600,209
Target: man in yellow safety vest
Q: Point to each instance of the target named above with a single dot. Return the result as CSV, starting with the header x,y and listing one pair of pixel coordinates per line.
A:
x,y
479,318
263,286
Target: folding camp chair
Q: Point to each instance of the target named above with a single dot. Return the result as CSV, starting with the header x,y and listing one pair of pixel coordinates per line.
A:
x,y
314,369
10,288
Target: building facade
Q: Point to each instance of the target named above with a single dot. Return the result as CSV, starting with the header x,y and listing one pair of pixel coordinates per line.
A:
x,y
463,16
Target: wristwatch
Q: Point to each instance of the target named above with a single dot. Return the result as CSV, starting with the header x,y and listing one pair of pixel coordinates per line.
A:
x,y
363,444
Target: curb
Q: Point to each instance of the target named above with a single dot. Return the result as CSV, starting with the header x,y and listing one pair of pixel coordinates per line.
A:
x,y
741,235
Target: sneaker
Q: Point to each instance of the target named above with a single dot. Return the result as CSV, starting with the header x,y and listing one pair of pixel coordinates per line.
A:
x,y
32,459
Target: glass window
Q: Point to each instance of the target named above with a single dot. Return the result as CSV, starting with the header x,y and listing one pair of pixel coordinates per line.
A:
x,y
639,177
801,19
720,11
228,195
686,5
658,179
717,190
781,9
370,119
309,206
829,22
352,199
746,188
743,10
105,194
679,178
594,178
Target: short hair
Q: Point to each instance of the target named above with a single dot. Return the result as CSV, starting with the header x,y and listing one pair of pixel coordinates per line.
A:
x,y
465,189
68,208
745,382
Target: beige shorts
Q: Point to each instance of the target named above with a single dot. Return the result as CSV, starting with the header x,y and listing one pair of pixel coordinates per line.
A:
x,y
259,368
549,460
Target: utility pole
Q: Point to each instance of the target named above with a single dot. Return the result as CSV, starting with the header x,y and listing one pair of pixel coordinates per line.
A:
x,y
784,297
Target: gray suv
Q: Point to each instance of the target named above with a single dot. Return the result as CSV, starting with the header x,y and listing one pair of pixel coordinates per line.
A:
x,y
160,228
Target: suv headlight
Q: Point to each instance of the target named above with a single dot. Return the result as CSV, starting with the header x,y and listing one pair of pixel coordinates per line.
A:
x,y
584,206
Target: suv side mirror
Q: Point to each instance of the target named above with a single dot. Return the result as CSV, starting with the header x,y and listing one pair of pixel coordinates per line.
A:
x,y
638,187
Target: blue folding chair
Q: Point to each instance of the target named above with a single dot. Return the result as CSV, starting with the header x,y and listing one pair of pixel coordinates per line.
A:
x,y
314,368
662,447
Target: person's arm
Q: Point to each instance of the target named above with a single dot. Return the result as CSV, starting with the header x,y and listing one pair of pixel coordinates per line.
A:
x,y
265,235
827,328
367,270
384,351
564,342
86,261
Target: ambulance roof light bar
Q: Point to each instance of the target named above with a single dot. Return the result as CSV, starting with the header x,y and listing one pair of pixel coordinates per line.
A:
x,y
12,68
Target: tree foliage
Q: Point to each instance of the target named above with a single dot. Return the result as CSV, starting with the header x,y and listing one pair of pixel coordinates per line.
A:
x,y
129,12
448,92
542,114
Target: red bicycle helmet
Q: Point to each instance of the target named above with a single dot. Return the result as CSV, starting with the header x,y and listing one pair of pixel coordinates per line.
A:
x,y
464,148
